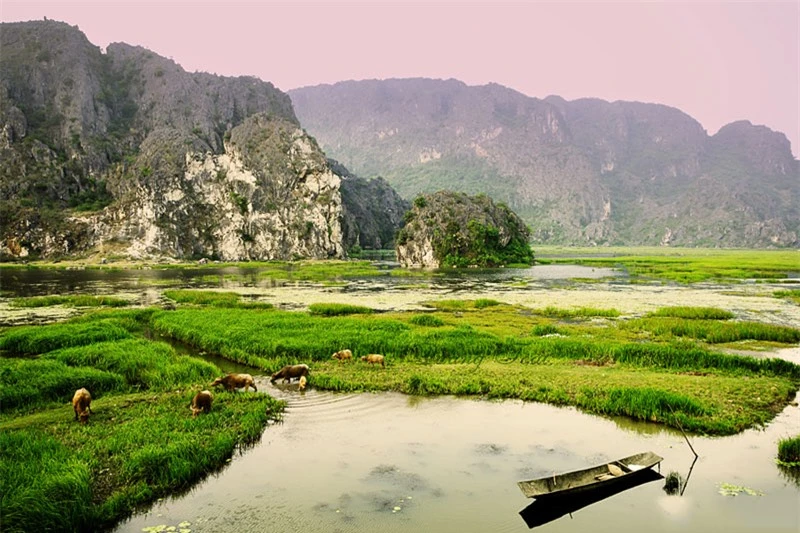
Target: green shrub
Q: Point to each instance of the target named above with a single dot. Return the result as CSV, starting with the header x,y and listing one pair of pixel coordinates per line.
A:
x,y
426,320
338,309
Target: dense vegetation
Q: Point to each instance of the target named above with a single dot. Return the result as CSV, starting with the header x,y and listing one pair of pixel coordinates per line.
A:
x,y
59,475
463,231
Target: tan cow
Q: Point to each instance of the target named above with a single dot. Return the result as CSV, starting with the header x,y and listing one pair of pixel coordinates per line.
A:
x,y
201,403
374,359
232,382
81,402
343,355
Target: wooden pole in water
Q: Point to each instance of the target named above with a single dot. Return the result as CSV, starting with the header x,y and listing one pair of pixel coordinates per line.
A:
x,y
684,433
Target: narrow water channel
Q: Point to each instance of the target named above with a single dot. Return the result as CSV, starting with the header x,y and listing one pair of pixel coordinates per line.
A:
x,y
388,462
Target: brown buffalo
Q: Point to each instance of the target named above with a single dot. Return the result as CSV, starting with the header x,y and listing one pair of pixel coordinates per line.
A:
x,y
81,402
374,359
343,355
289,372
236,381
201,403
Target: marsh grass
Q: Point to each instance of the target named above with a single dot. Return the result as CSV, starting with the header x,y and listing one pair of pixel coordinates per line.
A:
x,y
58,475
32,340
83,300
692,313
789,451
27,384
198,297
462,305
682,265
426,320
788,294
581,312
716,331
334,309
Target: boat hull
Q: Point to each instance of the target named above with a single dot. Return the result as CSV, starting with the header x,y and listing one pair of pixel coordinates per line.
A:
x,y
590,479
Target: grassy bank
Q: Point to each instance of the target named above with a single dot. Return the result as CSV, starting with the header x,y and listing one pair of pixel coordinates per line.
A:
x,y
682,265
141,443
500,351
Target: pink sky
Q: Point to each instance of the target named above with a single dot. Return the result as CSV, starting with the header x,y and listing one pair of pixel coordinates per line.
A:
x,y
717,61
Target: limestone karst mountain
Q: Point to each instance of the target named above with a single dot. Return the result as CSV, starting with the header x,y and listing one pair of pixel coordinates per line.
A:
x,y
123,152
582,172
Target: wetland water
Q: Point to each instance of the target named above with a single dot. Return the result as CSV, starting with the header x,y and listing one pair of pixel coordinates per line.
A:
x,y
388,462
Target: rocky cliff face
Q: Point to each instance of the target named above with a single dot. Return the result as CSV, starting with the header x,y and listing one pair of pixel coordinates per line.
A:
x,y
581,172
125,153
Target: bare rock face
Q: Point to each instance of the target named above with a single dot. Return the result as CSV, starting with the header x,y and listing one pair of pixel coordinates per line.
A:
x,y
449,229
270,195
124,153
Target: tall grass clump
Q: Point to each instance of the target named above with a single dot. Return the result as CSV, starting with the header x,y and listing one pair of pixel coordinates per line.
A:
x,y
715,331
540,330
482,303
332,309
142,364
426,320
693,313
82,300
789,294
213,298
33,383
789,451
640,403
32,340
44,487
581,312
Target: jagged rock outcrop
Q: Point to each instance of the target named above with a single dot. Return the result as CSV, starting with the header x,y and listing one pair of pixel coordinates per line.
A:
x,y
578,172
450,229
125,153
373,211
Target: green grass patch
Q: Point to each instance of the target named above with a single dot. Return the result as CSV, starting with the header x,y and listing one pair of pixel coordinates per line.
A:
x,y
83,300
681,265
788,294
693,313
59,475
541,330
715,331
426,320
196,297
581,312
789,451
32,340
332,309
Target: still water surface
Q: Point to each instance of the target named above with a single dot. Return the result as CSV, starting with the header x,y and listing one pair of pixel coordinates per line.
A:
x,y
388,462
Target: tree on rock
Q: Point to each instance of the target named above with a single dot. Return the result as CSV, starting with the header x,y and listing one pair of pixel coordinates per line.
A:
x,y
450,229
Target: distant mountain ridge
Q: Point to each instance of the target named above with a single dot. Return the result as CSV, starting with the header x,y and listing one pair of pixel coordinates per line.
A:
x,y
578,172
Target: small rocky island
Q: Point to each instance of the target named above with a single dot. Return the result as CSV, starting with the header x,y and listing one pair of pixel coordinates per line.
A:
x,y
451,229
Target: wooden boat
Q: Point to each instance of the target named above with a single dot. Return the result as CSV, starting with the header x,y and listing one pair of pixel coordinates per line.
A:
x,y
588,479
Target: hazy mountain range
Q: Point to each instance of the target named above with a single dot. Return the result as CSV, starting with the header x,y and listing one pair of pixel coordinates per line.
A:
x,y
583,171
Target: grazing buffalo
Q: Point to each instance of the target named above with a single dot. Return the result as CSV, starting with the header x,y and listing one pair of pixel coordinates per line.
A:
x,y
201,403
81,402
288,372
374,359
236,381
343,355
